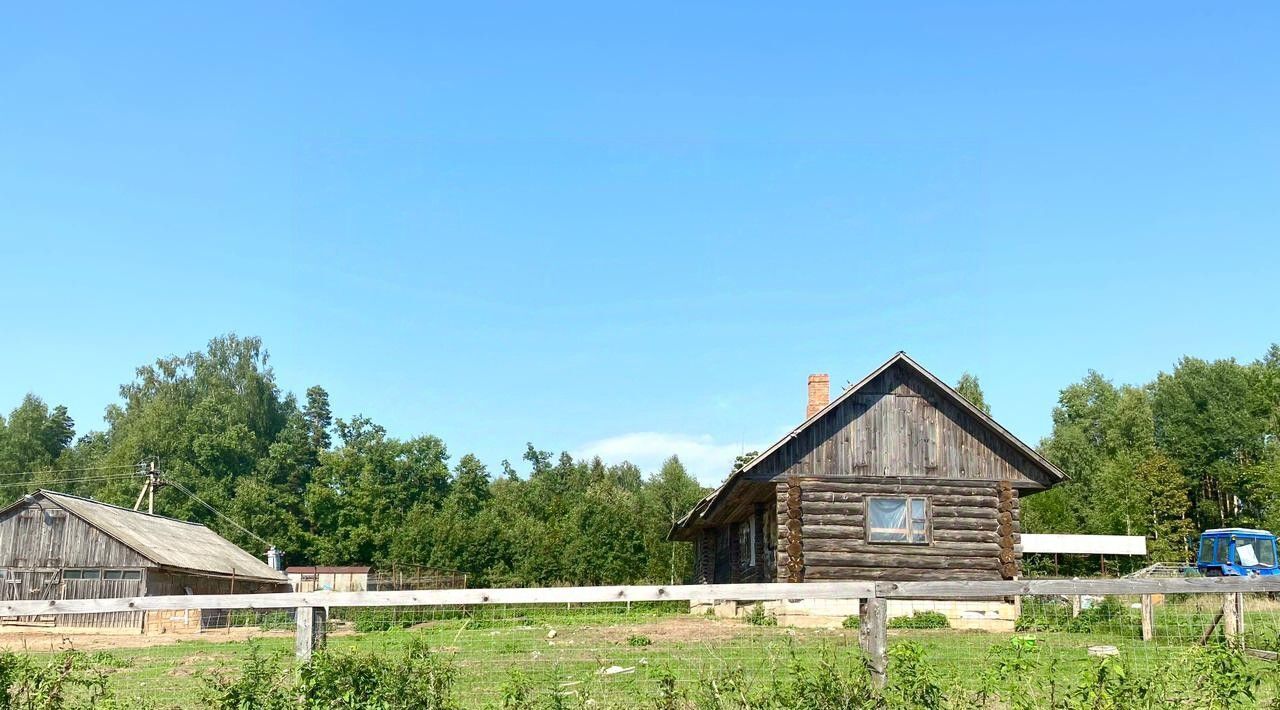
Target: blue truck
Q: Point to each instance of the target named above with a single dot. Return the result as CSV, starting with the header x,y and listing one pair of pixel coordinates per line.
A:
x,y
1237,552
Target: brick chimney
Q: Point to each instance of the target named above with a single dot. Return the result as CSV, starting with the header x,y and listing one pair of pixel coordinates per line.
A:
x,y
819,393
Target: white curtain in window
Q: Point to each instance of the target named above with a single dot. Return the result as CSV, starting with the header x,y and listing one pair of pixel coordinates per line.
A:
x,y
888,517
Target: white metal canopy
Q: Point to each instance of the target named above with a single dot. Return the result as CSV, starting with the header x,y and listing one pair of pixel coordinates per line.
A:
x,y
1085,544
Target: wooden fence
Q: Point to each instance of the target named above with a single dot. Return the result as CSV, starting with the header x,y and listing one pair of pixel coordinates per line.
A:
x,y
312,607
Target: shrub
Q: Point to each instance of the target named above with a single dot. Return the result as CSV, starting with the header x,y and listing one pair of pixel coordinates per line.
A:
x,y
68,680
1047,616
912,681
920,620
827,683
852,622
259,684
517,691
668,695
759,617
419,679
638,640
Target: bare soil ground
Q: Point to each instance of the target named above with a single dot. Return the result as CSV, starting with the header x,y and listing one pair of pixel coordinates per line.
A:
x,y
684,629
45,640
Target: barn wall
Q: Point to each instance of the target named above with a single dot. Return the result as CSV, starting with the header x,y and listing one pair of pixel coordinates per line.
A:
x,y
900,425
164,582
39,540
33,537
975,530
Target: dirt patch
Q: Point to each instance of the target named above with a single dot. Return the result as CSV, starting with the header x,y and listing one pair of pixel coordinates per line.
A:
x,y
52,640
672,630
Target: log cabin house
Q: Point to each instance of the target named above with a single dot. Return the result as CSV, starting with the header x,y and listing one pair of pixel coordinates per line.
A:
x,y
899,478
60,546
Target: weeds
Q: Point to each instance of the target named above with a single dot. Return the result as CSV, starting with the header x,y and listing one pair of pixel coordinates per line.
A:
x,y
757,616
921,620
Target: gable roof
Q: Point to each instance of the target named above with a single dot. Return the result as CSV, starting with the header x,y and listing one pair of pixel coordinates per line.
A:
x,y
165,541
1054,473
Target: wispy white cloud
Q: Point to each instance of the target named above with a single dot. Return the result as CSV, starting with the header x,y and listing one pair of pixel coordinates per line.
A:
x,y
704,458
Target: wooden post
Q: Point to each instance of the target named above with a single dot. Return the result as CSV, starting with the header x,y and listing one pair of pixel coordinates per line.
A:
x,y
1075,605
1231,622
310,635
873,636
1148,618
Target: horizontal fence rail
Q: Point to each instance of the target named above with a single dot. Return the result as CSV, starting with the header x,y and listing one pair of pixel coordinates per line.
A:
x,y
704,593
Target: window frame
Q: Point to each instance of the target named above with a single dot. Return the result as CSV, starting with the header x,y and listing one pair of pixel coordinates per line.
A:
x,y
906,501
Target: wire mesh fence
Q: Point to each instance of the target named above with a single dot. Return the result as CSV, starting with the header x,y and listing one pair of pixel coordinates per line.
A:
x,y
1026,651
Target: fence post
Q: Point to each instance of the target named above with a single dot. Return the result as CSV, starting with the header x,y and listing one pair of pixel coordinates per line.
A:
x,y
873,636
1148,618
1232,623
1075,605
310,635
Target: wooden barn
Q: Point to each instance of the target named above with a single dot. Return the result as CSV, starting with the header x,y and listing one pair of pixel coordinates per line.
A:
x,y
898,478
60,546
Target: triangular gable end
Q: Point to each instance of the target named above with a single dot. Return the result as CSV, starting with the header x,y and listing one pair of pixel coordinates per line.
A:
x,y
861,433
850,437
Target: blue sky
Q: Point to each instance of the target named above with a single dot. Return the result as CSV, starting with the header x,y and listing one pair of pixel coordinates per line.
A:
x,y
635,231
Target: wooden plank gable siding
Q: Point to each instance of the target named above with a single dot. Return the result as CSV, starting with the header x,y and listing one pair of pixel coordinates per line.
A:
x,y
975,532
43,535
900,425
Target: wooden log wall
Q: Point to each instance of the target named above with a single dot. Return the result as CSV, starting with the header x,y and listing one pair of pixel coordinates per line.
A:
x,y
791,558
974,530
704,557
1010,551
900,425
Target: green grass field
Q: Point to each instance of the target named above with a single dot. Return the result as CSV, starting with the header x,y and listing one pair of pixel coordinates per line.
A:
x,y
619,658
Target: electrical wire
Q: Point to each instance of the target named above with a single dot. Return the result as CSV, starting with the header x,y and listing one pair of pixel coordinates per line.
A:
x,y
83,479
8,474
215,511
119,477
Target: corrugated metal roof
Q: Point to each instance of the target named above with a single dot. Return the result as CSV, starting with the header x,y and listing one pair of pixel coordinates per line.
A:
x,y
166,541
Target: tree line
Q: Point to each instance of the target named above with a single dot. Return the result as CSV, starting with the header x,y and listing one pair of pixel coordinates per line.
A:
x,y
329,490
1195,448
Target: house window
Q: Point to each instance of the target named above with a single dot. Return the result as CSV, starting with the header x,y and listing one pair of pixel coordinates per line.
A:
x,y
898,519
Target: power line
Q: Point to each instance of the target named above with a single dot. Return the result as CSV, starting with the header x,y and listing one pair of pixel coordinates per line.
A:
x,y
83,479
216,512
67,470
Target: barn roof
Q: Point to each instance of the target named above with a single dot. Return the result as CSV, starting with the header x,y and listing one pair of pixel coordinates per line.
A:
x,y
165,541
708,503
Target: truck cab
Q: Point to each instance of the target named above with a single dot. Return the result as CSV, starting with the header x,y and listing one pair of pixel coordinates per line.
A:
x,y
1237,552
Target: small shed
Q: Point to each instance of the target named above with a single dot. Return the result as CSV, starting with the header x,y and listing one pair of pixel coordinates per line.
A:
x,y
329,579
61,546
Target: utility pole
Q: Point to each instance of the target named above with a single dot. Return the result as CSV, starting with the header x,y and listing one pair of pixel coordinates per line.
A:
x,y
149,487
